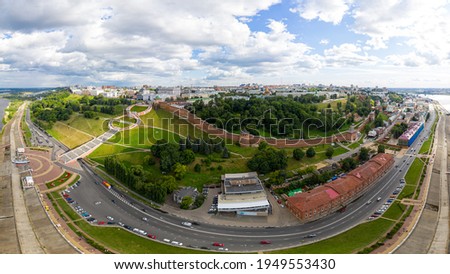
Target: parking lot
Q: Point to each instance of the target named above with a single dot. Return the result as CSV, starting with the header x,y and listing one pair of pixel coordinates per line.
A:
x,y
385,206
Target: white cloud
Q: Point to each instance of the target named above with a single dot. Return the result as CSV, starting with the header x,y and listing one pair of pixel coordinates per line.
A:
x,y
324,42
273,52
330,11
348,55
423,25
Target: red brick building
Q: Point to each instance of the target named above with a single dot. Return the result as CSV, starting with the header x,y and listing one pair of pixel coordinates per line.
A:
x,y
330,197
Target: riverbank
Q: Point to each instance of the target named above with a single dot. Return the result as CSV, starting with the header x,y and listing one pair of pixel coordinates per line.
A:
x,y
4,104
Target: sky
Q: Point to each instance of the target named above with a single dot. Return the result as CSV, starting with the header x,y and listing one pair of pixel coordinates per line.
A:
x,y
385,43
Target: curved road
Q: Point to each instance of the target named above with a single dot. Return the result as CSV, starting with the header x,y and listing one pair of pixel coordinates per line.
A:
x,y
239,239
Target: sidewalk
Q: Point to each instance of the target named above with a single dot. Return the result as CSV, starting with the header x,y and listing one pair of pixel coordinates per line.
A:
x,y
78,243
411,221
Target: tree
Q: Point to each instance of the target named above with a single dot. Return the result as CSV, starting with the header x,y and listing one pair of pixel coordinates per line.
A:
x,y
199,200
364,154
298,154
268,160
187,156
179,170
89,114
398,129
197,168
329,152
262,145
149,160
348,164
225,153
381,149
186,202
379,122
310,152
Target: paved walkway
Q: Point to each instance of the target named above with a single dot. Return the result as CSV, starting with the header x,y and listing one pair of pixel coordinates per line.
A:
x,y
440,241
28,241
86,148
419,228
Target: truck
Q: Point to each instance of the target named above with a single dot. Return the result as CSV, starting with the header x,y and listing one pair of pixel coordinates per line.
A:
x,y
106,184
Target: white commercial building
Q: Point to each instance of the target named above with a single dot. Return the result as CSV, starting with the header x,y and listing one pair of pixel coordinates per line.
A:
x,y
243,194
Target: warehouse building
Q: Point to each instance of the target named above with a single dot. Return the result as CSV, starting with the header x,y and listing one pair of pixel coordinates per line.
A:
x,y
328,198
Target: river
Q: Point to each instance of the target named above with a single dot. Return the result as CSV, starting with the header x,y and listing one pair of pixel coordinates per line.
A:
x,y
444,100
3,104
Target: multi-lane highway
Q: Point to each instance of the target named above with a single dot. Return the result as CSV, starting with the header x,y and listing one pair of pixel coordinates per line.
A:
x,y
93,197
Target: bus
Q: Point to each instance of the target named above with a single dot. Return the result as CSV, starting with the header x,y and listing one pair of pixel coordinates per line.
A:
x,y
106,184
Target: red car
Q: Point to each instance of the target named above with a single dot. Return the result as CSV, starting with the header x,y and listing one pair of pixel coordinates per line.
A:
x,y
151,236
101,223
217,244
265,242
66,195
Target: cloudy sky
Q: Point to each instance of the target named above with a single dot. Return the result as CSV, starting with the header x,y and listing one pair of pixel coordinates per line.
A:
x,y
392,43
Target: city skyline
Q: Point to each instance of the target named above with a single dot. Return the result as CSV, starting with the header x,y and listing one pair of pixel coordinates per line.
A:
x,y
170,43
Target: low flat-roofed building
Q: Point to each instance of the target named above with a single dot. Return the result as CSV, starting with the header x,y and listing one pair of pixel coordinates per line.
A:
x,y
27,182
244,194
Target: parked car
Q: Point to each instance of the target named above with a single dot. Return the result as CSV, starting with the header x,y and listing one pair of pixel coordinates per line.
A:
x,y
218,244
265,242
110,218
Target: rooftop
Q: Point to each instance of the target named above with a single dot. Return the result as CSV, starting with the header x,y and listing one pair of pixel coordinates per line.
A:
x,y
326,193
412,129
241,183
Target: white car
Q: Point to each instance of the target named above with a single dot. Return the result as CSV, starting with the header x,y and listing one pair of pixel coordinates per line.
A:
x,y
188,224
110,218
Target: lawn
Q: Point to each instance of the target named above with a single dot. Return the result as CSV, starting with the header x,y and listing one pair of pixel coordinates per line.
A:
x,y
395,211
61,180
141,137
138,108
413,175
333,104
109,149
26,132
426,145
119,124
348,242
208,175
168,121
68,136
94,126
357,144
407,192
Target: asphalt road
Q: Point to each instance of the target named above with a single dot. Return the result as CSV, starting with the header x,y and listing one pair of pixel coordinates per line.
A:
x,y
240,239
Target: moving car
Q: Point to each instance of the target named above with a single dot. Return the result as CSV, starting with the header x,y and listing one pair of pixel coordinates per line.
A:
x,y
265,242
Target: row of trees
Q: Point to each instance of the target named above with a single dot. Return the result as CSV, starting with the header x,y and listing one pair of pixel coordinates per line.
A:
x,y
268,160
57,106
137,179
170,154
204,146
277,116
